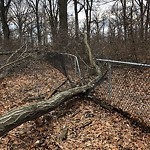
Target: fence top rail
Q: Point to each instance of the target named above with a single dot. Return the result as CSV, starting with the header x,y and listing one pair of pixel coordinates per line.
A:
x,y
124,62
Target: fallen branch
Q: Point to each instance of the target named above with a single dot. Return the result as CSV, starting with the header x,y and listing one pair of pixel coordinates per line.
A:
x,y
16,117
5,53
11,52
42,97
14,53
15,61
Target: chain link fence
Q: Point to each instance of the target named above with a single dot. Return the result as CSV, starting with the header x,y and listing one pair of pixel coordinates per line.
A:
x,y
127,86
66,63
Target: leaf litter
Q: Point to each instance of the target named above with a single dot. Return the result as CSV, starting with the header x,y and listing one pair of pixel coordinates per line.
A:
x,y
86,126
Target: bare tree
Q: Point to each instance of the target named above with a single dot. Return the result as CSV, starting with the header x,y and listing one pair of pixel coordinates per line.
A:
x,y
125,25
15,117
76,18
4,7
63,22
20,12
35,6
147,23
88,6
52,11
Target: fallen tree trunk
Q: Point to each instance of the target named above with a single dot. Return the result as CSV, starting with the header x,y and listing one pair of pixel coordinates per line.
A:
x,y
16,117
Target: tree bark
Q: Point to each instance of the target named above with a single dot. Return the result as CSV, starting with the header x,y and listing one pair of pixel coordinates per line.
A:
x,y
53,20
76,19
3,16
16,117
124,7
37,21
63,25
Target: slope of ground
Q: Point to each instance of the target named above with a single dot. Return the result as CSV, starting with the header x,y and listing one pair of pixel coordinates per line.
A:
x,y
80,124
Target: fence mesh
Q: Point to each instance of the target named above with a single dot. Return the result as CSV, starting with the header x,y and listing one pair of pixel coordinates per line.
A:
x,y
128,88
67,64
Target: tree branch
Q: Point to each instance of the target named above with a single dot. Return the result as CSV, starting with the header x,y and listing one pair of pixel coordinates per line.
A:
x,y
16,117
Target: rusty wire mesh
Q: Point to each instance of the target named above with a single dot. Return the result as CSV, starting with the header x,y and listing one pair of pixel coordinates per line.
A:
x,y
128,88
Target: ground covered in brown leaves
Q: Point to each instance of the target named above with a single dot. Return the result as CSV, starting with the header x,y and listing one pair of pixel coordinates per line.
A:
x,y
79,124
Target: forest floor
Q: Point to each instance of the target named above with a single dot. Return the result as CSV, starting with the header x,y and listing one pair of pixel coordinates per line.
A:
x,y
78,125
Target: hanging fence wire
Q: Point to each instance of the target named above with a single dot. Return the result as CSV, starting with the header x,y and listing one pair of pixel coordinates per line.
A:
x,y
127,86
66,63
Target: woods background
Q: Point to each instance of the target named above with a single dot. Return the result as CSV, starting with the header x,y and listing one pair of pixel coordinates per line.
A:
x,y
121,31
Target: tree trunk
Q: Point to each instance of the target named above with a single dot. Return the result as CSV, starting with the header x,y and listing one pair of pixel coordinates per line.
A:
x,y
141,19
76,19
16,117
88,14
37,21
3,16
53,19
63,26
124,7
147,24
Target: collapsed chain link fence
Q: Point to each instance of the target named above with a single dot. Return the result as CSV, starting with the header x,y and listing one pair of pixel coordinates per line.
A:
x,y
66,63
127,86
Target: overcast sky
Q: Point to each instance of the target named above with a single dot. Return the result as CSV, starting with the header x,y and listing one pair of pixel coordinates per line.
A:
x,y
101,7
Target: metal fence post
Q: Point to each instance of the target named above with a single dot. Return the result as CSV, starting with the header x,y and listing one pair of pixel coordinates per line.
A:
x,y
109,79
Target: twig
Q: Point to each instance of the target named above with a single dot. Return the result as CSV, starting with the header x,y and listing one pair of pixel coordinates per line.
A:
x,y
7,61
56,89
41,97
15,61
26,48
30,99
85,124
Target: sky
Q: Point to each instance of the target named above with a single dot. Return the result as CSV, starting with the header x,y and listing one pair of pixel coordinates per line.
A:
x,y
101,7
